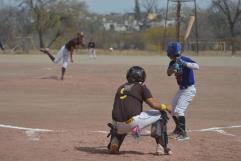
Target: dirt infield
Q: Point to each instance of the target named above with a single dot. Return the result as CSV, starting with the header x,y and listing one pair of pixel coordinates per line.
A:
x,y
76,110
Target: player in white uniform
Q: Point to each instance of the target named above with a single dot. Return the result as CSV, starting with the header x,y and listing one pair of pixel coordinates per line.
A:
x,y
128,115
65,52
182,67
91,49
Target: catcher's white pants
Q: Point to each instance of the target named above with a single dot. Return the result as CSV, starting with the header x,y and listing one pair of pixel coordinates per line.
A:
x,y
182,99
62,55
144,119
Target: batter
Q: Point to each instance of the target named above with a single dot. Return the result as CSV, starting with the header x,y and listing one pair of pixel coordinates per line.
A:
x,y
182,67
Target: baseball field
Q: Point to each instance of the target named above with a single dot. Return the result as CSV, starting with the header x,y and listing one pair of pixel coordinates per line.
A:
x,y
46,119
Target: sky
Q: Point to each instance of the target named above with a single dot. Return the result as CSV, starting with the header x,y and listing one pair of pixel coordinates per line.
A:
x,y
121,6
118,6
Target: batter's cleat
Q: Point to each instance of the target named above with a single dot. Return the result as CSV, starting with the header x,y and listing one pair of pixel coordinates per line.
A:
x,y
183,137
161,151
114,146
174,134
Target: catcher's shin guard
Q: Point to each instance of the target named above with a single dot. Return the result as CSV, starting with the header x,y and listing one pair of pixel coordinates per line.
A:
x,y
115,140
159,132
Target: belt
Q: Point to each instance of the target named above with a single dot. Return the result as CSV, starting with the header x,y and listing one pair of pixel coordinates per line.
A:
x,y
184,87
127,122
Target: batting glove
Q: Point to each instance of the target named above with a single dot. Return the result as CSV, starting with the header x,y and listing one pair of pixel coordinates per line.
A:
x,y
175,67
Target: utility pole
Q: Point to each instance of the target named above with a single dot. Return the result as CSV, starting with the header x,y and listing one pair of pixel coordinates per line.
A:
x,y
178,20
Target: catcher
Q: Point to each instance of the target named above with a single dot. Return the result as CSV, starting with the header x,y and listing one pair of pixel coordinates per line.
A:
x,y
128,115
66,51
182,67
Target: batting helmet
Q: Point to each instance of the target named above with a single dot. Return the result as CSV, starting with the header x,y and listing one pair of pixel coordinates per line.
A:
x,y
136,74
174,49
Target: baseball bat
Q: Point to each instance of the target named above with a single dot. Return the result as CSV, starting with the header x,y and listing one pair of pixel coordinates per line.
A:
x,y
189,27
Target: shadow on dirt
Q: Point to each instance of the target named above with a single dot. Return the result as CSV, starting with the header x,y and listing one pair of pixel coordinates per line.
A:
x,y
54,77
93,150
103,150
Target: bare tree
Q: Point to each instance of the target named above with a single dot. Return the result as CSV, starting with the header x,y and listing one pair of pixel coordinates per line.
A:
x,y
149,7
231,9
38,13
52,17
7,23
137,11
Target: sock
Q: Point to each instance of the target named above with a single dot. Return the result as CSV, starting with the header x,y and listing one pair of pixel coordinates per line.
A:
x,y
63,72
181,120
176,122
51,57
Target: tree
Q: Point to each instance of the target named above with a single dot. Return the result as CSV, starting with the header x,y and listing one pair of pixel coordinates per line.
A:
x,y
137,11
231,9
51,18
149,6
8,24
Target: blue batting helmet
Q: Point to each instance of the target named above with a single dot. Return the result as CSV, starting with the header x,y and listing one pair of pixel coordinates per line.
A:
x,y
174,49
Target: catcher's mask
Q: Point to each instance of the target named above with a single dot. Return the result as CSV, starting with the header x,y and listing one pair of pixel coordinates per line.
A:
x,y
136,74
174,49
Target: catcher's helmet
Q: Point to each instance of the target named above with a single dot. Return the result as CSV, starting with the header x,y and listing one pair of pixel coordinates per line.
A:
x,y
136,74
174,49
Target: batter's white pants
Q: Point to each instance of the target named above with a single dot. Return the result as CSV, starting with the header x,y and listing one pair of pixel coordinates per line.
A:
x,y
182,99
62,55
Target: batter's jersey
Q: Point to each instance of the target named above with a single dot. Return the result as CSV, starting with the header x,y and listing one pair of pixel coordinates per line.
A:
x,y
185,75
129,101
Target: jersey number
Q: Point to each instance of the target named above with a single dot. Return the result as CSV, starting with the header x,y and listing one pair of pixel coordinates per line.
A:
x,y
123,96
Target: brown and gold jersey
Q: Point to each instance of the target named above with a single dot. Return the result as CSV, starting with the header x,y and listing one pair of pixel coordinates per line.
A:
x,y
73,43
129,101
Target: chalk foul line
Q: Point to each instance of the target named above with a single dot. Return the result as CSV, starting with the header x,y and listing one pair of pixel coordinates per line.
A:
x,y
212,129
24,128
218,130
32,133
